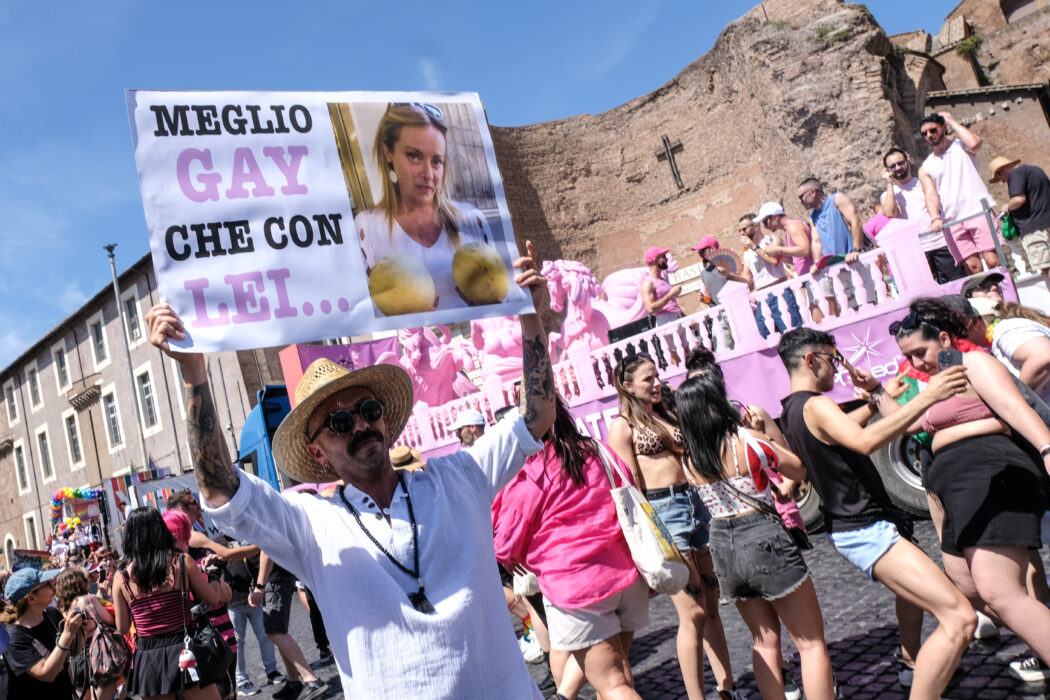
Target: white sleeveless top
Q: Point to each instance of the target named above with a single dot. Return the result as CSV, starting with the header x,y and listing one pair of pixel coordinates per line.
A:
x,y
958,181
911,205
724,502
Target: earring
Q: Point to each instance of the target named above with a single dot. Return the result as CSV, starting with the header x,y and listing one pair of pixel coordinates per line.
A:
x,y
392,175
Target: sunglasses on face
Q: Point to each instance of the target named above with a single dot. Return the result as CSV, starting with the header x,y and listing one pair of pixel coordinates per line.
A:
x,y
342,420
834,358
928,132
898,164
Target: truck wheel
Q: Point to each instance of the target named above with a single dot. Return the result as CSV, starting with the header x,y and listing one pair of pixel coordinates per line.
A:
x,y
809,507
898,465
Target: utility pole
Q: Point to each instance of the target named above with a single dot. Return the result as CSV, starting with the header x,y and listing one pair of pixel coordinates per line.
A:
x,y
127,354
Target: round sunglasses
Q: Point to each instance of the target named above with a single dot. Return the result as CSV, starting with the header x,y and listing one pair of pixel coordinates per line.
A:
x,y
341,421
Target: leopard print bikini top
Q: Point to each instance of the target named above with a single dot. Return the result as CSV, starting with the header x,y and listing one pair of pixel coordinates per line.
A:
x,y
646,442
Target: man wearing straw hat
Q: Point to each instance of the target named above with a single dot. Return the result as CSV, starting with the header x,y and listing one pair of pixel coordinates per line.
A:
x,y
401,564
1029,205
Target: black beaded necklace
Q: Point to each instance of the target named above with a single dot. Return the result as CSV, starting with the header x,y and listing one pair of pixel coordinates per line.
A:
x,y
418,599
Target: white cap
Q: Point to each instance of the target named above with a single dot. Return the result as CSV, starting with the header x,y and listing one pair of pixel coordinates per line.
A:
x,y
983,306
769,209
468,417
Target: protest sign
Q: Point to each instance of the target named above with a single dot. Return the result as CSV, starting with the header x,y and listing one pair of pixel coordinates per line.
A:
x,y
288,217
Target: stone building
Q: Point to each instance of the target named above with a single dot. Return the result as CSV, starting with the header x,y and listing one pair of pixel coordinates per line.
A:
x,y
791,89
70,413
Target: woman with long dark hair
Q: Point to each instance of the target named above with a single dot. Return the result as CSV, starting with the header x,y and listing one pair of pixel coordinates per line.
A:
x,y
646,436
557,518
148,589
989,449
757,562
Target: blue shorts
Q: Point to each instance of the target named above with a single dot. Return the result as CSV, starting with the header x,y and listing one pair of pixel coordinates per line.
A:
x,y
865,546
685,517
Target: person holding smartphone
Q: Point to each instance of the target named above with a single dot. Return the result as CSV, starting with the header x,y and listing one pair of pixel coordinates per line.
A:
x,y
988,449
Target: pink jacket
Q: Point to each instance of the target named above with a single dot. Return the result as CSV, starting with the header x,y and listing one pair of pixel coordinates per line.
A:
x,y
568,535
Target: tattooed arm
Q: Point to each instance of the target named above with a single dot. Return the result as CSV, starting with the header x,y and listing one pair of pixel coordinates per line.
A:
x,y
537,389
211,459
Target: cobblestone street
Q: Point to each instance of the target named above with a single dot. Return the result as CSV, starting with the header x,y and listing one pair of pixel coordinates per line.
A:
x,y
860,627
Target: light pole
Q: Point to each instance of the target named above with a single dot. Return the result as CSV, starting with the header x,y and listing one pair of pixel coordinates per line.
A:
x,y
127,352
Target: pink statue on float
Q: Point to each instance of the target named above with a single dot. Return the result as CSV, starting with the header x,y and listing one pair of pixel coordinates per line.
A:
x,y
573,288
498,344
591,309
434,364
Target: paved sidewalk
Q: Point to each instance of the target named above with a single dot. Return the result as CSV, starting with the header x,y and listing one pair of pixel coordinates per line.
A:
x,y
861,631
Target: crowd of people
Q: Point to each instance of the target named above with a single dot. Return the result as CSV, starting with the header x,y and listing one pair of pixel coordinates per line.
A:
x,y
408,568
943,196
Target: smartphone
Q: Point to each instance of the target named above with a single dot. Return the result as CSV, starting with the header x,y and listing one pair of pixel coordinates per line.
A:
x,y
948,358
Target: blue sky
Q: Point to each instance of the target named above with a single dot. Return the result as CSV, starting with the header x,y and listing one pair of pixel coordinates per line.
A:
x,y
67,174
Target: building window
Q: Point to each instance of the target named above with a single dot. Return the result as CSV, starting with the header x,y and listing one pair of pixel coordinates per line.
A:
x,y
1014,10
47,468
32,541
109,408
20,469
9,400
131,315
61,367
98,341
34,386
76,456
149,404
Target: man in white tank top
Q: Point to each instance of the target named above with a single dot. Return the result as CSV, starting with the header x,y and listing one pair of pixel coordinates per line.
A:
x,y
952,165
906,198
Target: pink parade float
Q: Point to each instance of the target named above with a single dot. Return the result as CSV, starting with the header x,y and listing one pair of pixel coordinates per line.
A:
x,y
58,500
591,308
434,363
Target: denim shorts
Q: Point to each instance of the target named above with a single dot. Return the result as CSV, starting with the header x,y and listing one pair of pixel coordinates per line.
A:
x,y
685,517
864,547
754,557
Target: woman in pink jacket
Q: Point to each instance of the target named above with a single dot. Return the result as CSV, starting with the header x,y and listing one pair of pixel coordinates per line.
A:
x,y
558,520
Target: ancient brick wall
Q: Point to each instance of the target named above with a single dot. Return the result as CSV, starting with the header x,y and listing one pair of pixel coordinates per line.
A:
x,y
805,88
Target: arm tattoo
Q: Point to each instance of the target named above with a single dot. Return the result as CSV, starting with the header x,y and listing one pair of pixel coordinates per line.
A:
x,y
211,460
538,386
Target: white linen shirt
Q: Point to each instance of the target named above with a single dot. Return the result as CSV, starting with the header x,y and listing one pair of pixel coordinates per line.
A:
x,y
383,647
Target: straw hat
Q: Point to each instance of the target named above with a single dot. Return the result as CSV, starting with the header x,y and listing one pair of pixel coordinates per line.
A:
x,y
389,383
404,457
997,164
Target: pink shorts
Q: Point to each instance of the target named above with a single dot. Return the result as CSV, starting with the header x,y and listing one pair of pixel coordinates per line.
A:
x,y
969,238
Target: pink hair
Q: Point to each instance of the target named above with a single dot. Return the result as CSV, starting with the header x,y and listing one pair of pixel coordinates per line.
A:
x,y
179,526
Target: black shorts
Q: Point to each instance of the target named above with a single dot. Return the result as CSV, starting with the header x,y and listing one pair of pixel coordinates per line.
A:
x,y
943,266
754,557
277,605
992,491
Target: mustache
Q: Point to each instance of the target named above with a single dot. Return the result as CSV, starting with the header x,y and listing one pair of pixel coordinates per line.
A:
x,y
361,437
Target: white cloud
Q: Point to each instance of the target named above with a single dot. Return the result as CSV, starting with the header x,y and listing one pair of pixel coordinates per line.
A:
x,y
622,39
429,70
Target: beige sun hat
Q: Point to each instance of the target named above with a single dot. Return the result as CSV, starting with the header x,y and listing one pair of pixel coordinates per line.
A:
x,y
404,457
997,164
388,383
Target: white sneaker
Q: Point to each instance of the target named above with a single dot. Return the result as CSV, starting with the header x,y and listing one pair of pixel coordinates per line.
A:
x,y
1029,670
986,628
246,689
530,649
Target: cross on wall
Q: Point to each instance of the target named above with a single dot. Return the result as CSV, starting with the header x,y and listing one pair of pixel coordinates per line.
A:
x,y
667,153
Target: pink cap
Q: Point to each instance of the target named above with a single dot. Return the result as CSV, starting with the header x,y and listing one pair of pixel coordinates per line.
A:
x,y
706,242
653,253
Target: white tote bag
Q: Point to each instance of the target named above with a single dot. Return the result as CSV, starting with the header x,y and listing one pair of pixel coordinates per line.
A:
x,y
652,547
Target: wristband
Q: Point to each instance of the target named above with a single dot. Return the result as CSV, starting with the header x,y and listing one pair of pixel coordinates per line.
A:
x,y
1044,450
875,394
59,646
260,586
